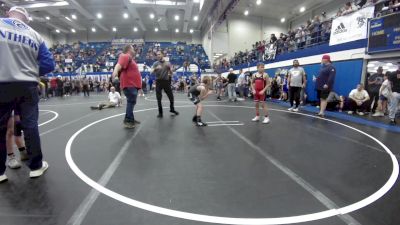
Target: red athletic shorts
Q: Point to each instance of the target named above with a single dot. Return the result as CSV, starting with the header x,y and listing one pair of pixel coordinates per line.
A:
x,y
258,97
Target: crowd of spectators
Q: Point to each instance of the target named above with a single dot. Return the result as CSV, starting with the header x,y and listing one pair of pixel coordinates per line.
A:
x,y
315,32
102,58
67,86
373,98
68,57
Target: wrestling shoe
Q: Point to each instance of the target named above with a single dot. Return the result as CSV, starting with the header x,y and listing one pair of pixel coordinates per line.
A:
x,y
174,113
201,124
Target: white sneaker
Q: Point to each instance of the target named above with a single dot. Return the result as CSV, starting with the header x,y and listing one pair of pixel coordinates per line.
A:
x,y
350,112
256,119
266,120
361,113
13,163
3,178
378,114
295,110
291,109
39,172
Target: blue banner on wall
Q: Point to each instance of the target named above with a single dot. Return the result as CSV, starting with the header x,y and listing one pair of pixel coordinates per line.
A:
x,y
384,34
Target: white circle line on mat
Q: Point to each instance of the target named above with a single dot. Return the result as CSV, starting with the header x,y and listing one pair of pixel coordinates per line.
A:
x,y
230,220
50,120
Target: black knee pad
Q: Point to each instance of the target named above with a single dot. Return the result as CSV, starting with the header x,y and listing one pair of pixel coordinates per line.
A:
x,y
17,129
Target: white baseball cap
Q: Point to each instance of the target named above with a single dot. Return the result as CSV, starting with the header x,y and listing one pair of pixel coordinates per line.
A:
x,y
231,69
21,10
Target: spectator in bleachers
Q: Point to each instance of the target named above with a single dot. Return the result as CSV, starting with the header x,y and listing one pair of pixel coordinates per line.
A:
x,y
358,100
348,8
360,3
374,84
273,39
394,77
370,3
315,30
326,27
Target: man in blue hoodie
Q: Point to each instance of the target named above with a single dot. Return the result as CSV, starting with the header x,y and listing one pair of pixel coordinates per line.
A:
x,y
23,58
325,82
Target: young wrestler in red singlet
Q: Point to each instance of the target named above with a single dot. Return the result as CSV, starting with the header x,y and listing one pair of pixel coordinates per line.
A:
x,y
259,84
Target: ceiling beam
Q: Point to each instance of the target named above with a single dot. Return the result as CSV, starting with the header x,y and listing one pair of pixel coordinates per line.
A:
x,y
188,15
42,20
161,15
205,12
57,14
87,14
9,3
132,10
153,5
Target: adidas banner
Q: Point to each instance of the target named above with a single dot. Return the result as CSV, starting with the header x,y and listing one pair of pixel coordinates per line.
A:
x,y
351,27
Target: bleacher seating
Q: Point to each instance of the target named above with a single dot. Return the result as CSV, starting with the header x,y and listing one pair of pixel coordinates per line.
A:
x,y
102,56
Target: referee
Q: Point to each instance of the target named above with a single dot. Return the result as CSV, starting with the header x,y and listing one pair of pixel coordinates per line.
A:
x,y
23,58
163,71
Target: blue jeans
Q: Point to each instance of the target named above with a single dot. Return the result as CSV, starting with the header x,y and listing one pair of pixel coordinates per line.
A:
x,y
232,91
25,95
131,94
393,106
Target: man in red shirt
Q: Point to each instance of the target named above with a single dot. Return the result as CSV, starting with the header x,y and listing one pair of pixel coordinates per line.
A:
x,y
53,86
130,81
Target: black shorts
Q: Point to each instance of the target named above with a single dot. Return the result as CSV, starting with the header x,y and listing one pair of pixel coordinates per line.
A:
x,y
17,129
332,106
323,94
195,99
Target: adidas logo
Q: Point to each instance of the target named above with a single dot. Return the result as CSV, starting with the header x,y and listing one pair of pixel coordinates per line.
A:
x,y
340,29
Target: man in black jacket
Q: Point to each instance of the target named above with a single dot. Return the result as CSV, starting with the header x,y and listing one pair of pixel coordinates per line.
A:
x,y
163,71
325,82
